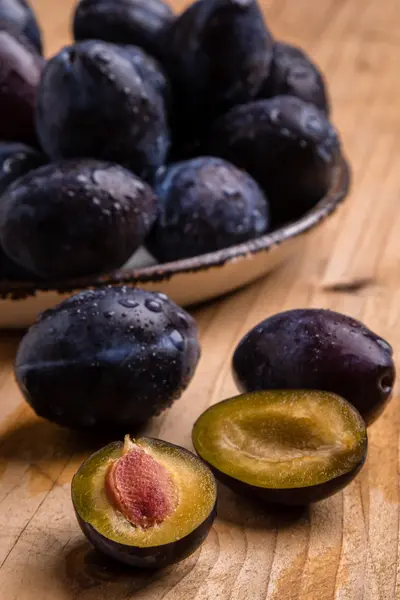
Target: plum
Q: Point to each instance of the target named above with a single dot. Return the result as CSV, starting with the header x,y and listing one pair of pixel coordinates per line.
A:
x,y
94,102
108,360
205,204
138,22
321,350
151,71
19,14
17,159
293,73
139,502
218,54
74,218
20,71
284,447
11,271
286,144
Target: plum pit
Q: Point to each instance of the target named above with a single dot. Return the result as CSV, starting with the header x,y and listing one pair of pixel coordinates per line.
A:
x,y
140,487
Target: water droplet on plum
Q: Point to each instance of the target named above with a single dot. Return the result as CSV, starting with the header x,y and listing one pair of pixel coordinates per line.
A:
x,y
153,306
128,303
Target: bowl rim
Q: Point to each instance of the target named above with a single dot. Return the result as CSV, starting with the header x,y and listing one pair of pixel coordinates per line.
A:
x,y
336,194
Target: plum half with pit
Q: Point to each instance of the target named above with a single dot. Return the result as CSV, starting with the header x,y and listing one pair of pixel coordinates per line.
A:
x,y
293,73
285,447
145,502
205,204
19,14
93,102
108,359
286,144
17,159
74,218
138,22
322,350
218,54
20,71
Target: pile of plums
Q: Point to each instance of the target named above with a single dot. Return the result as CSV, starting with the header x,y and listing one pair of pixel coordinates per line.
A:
x,y
184,133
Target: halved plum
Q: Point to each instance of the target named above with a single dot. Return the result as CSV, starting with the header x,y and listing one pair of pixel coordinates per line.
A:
x,y
145,502
289,447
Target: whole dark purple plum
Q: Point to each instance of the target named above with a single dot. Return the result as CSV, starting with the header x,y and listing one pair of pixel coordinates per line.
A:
x,y
94,102
75,218
19,14
138,22
17,159
286,144
322,350
20,71
293,73
108,359
205,204
218,54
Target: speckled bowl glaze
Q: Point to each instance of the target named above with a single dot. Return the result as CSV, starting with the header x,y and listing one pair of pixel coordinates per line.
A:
x,y
186,281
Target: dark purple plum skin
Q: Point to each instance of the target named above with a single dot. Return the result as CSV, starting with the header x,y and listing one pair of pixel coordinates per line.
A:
x,y
218,54
322,350
205,204
19,14
290,496
293,73
137,22
155,557
17,159
108,360
74,218
20,71
288,146
11,271
93,101
151,71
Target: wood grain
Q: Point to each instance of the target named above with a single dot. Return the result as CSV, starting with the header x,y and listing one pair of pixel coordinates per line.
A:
x,y
346,548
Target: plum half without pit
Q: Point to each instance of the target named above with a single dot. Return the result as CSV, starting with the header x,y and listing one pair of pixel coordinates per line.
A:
x,y
284,447
108,360
145,502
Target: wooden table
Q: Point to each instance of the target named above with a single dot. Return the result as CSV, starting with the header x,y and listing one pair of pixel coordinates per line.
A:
x,y
346,548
